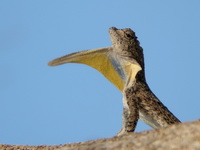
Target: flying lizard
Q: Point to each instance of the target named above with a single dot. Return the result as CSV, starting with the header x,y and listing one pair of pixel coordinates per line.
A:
x,y
123,65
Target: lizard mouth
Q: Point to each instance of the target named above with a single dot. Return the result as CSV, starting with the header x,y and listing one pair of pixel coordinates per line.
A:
x,y
113,30
114,34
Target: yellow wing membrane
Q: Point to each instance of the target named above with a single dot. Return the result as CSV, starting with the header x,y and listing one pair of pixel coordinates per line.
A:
x,y
98,59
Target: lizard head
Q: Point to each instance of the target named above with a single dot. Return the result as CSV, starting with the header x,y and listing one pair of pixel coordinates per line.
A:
x,y
122,39
125,43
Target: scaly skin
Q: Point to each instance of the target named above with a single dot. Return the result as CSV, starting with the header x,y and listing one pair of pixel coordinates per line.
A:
x,y
141,102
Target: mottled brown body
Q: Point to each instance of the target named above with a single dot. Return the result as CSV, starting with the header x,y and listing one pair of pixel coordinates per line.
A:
x,y
142,103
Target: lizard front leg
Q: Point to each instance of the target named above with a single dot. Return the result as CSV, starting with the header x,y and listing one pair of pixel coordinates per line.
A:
x,y
130,112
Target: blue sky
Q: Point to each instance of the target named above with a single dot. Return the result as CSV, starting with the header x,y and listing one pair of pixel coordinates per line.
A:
x,y
73,102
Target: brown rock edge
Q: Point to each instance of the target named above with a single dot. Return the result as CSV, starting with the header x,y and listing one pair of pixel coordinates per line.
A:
x,y
178,136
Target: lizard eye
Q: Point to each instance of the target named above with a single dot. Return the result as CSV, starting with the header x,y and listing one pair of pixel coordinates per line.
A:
x,y
128,35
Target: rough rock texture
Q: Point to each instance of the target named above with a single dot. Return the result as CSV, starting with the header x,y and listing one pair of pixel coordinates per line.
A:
x,y
177,137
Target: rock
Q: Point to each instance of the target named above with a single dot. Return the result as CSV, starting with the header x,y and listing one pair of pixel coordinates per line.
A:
x,y
184,136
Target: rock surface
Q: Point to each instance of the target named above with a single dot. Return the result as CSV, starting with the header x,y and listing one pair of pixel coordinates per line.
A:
x,y
185,136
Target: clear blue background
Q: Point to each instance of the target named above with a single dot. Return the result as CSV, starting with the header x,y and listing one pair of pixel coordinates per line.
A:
x,y
73,102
